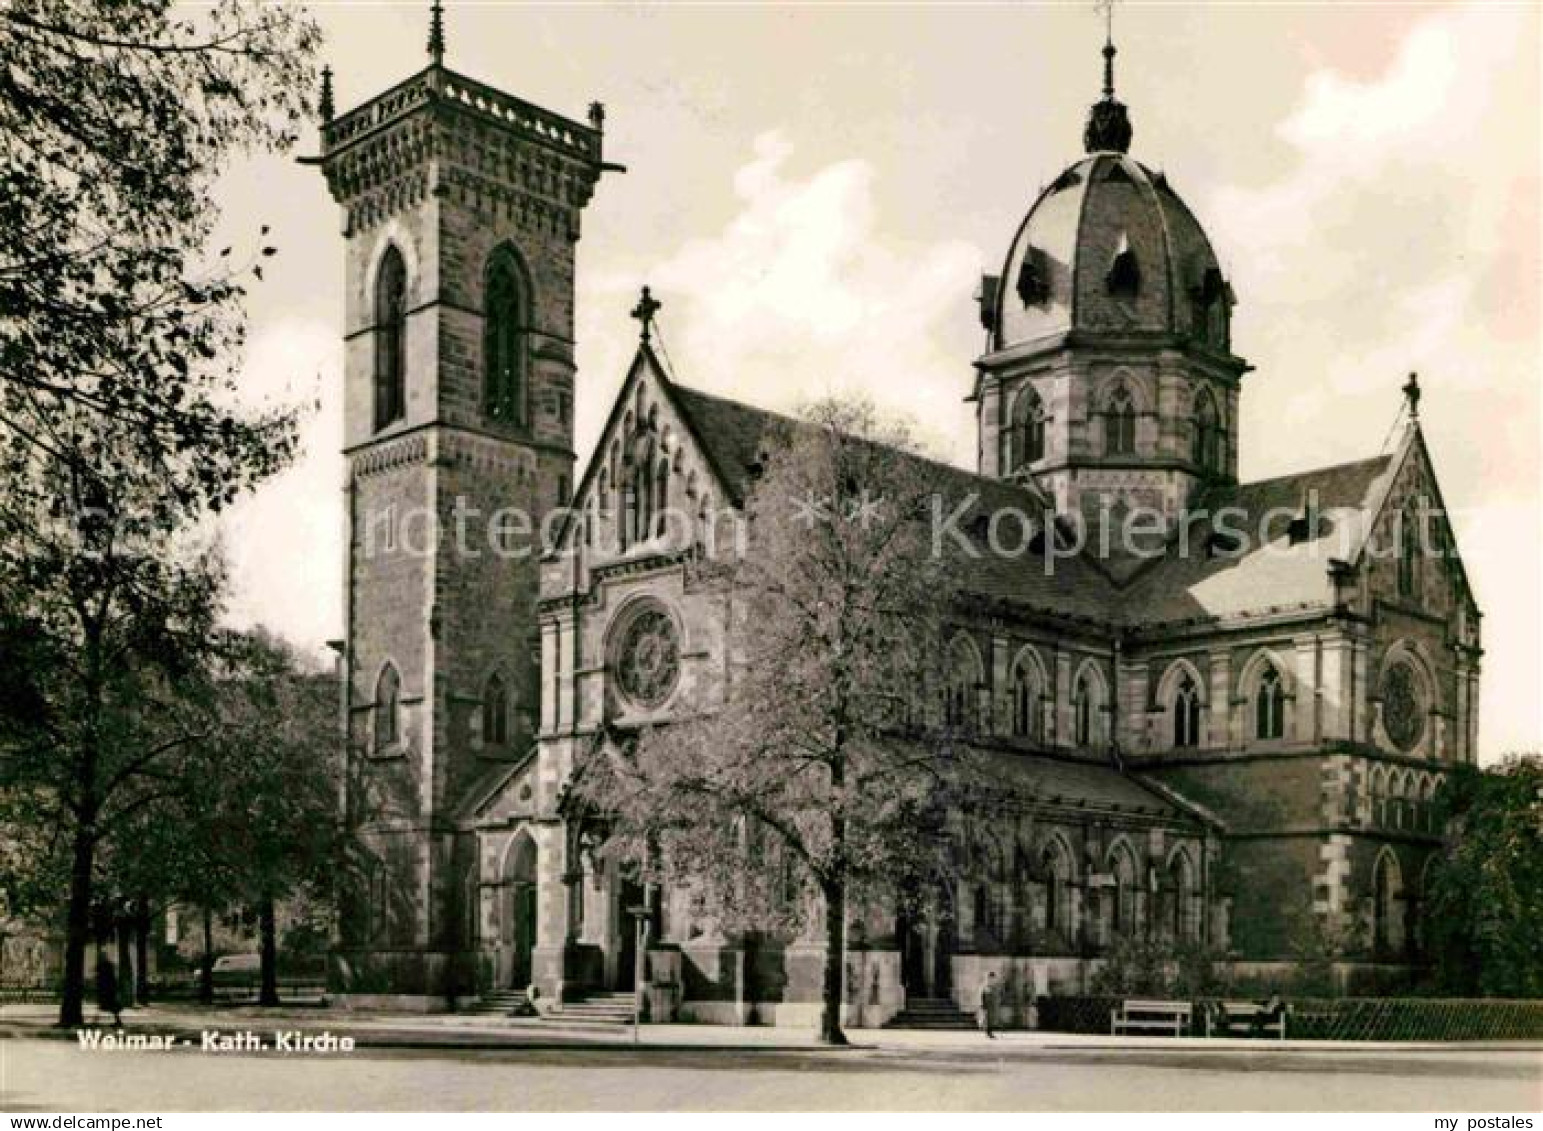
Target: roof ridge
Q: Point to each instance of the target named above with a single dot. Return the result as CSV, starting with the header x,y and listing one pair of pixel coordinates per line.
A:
x,y
920,457
1383,457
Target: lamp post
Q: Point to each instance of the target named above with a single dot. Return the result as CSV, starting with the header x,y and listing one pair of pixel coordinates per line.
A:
x,y
639,915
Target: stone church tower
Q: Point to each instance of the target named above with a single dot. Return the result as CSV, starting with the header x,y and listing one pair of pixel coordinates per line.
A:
x,y
1108,378
461,209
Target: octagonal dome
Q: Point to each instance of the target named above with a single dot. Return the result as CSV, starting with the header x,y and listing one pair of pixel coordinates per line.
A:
x,y
1109,248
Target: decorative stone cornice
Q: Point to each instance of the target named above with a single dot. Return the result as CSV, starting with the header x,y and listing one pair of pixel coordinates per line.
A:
x,y
387,456
442,132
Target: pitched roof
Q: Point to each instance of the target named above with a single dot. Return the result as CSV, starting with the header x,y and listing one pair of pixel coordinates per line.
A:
x,y
1267,570
1052,780
1195,578
736,436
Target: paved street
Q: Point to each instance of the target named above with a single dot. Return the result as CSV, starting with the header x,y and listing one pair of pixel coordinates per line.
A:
x,y
1018,1073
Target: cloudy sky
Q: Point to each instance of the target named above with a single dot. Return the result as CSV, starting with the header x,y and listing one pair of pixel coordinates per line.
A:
x,y
814,190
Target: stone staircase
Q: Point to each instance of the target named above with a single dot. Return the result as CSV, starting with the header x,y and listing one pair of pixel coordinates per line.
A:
x,y
931,1013
614,1008
503,1003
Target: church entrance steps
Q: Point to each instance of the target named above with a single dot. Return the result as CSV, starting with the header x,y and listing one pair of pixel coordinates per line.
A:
x,y
504,1003
931,1013
596,1009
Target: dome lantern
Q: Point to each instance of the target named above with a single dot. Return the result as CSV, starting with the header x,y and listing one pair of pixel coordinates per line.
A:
x,y
1108,129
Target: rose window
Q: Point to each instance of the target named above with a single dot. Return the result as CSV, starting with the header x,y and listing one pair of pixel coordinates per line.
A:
x,y
648,660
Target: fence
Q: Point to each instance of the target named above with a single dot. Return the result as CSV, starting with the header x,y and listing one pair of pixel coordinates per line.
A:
x,y
291,992
1343,1019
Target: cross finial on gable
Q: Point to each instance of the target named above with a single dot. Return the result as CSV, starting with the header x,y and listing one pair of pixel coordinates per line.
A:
x,y
644,312
325,106
1412,395
437,33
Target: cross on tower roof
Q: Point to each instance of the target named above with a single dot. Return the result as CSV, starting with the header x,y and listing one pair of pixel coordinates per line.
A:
x,y
644,312
1106,8
1412,395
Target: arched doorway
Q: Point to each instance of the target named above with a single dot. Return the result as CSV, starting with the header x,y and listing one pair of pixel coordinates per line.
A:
x,y
1387,906
519,909
925,931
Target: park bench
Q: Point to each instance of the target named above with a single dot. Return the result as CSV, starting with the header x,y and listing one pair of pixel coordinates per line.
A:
x,y
1244,1018
1142,1015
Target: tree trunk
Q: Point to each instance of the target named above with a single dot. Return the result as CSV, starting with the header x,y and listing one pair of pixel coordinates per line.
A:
x,y
269,944
78,925
142,954
126,974
206,975
834,892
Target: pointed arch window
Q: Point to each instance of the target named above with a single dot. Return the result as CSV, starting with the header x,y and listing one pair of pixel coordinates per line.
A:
x,y
376,902
390,339
1270,705
1408,551
503,339
495,712
1387,889
1208,443
990,905
1025,439
1122,896
1120,423
1180,922
964,683
661,496
388,694
1083,707
1057,873
1212,301
1186,713
1025,702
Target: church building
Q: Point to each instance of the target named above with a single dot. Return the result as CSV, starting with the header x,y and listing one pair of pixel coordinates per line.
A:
x,y
1227,741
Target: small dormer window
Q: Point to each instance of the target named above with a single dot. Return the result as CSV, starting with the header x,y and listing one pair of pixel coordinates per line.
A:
x,y
1124,272
1034,278
1117,175
990,292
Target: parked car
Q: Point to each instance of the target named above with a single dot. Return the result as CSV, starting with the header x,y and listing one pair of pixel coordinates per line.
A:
x,y
237,973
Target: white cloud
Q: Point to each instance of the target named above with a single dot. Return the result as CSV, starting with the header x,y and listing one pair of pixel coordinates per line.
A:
x,y
1397,242
800,295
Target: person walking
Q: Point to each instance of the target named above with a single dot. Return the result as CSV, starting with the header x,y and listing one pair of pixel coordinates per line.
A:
x,y
107,989
988,1000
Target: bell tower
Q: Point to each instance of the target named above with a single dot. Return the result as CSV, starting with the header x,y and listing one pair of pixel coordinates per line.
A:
x,y
461,210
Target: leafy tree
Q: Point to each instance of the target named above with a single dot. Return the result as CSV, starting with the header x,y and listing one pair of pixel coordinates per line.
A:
x,y
808,776
119,343
269,823
118,350
1486,893
105,640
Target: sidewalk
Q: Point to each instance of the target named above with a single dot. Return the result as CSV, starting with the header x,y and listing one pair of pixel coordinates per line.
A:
x,y
450,1031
